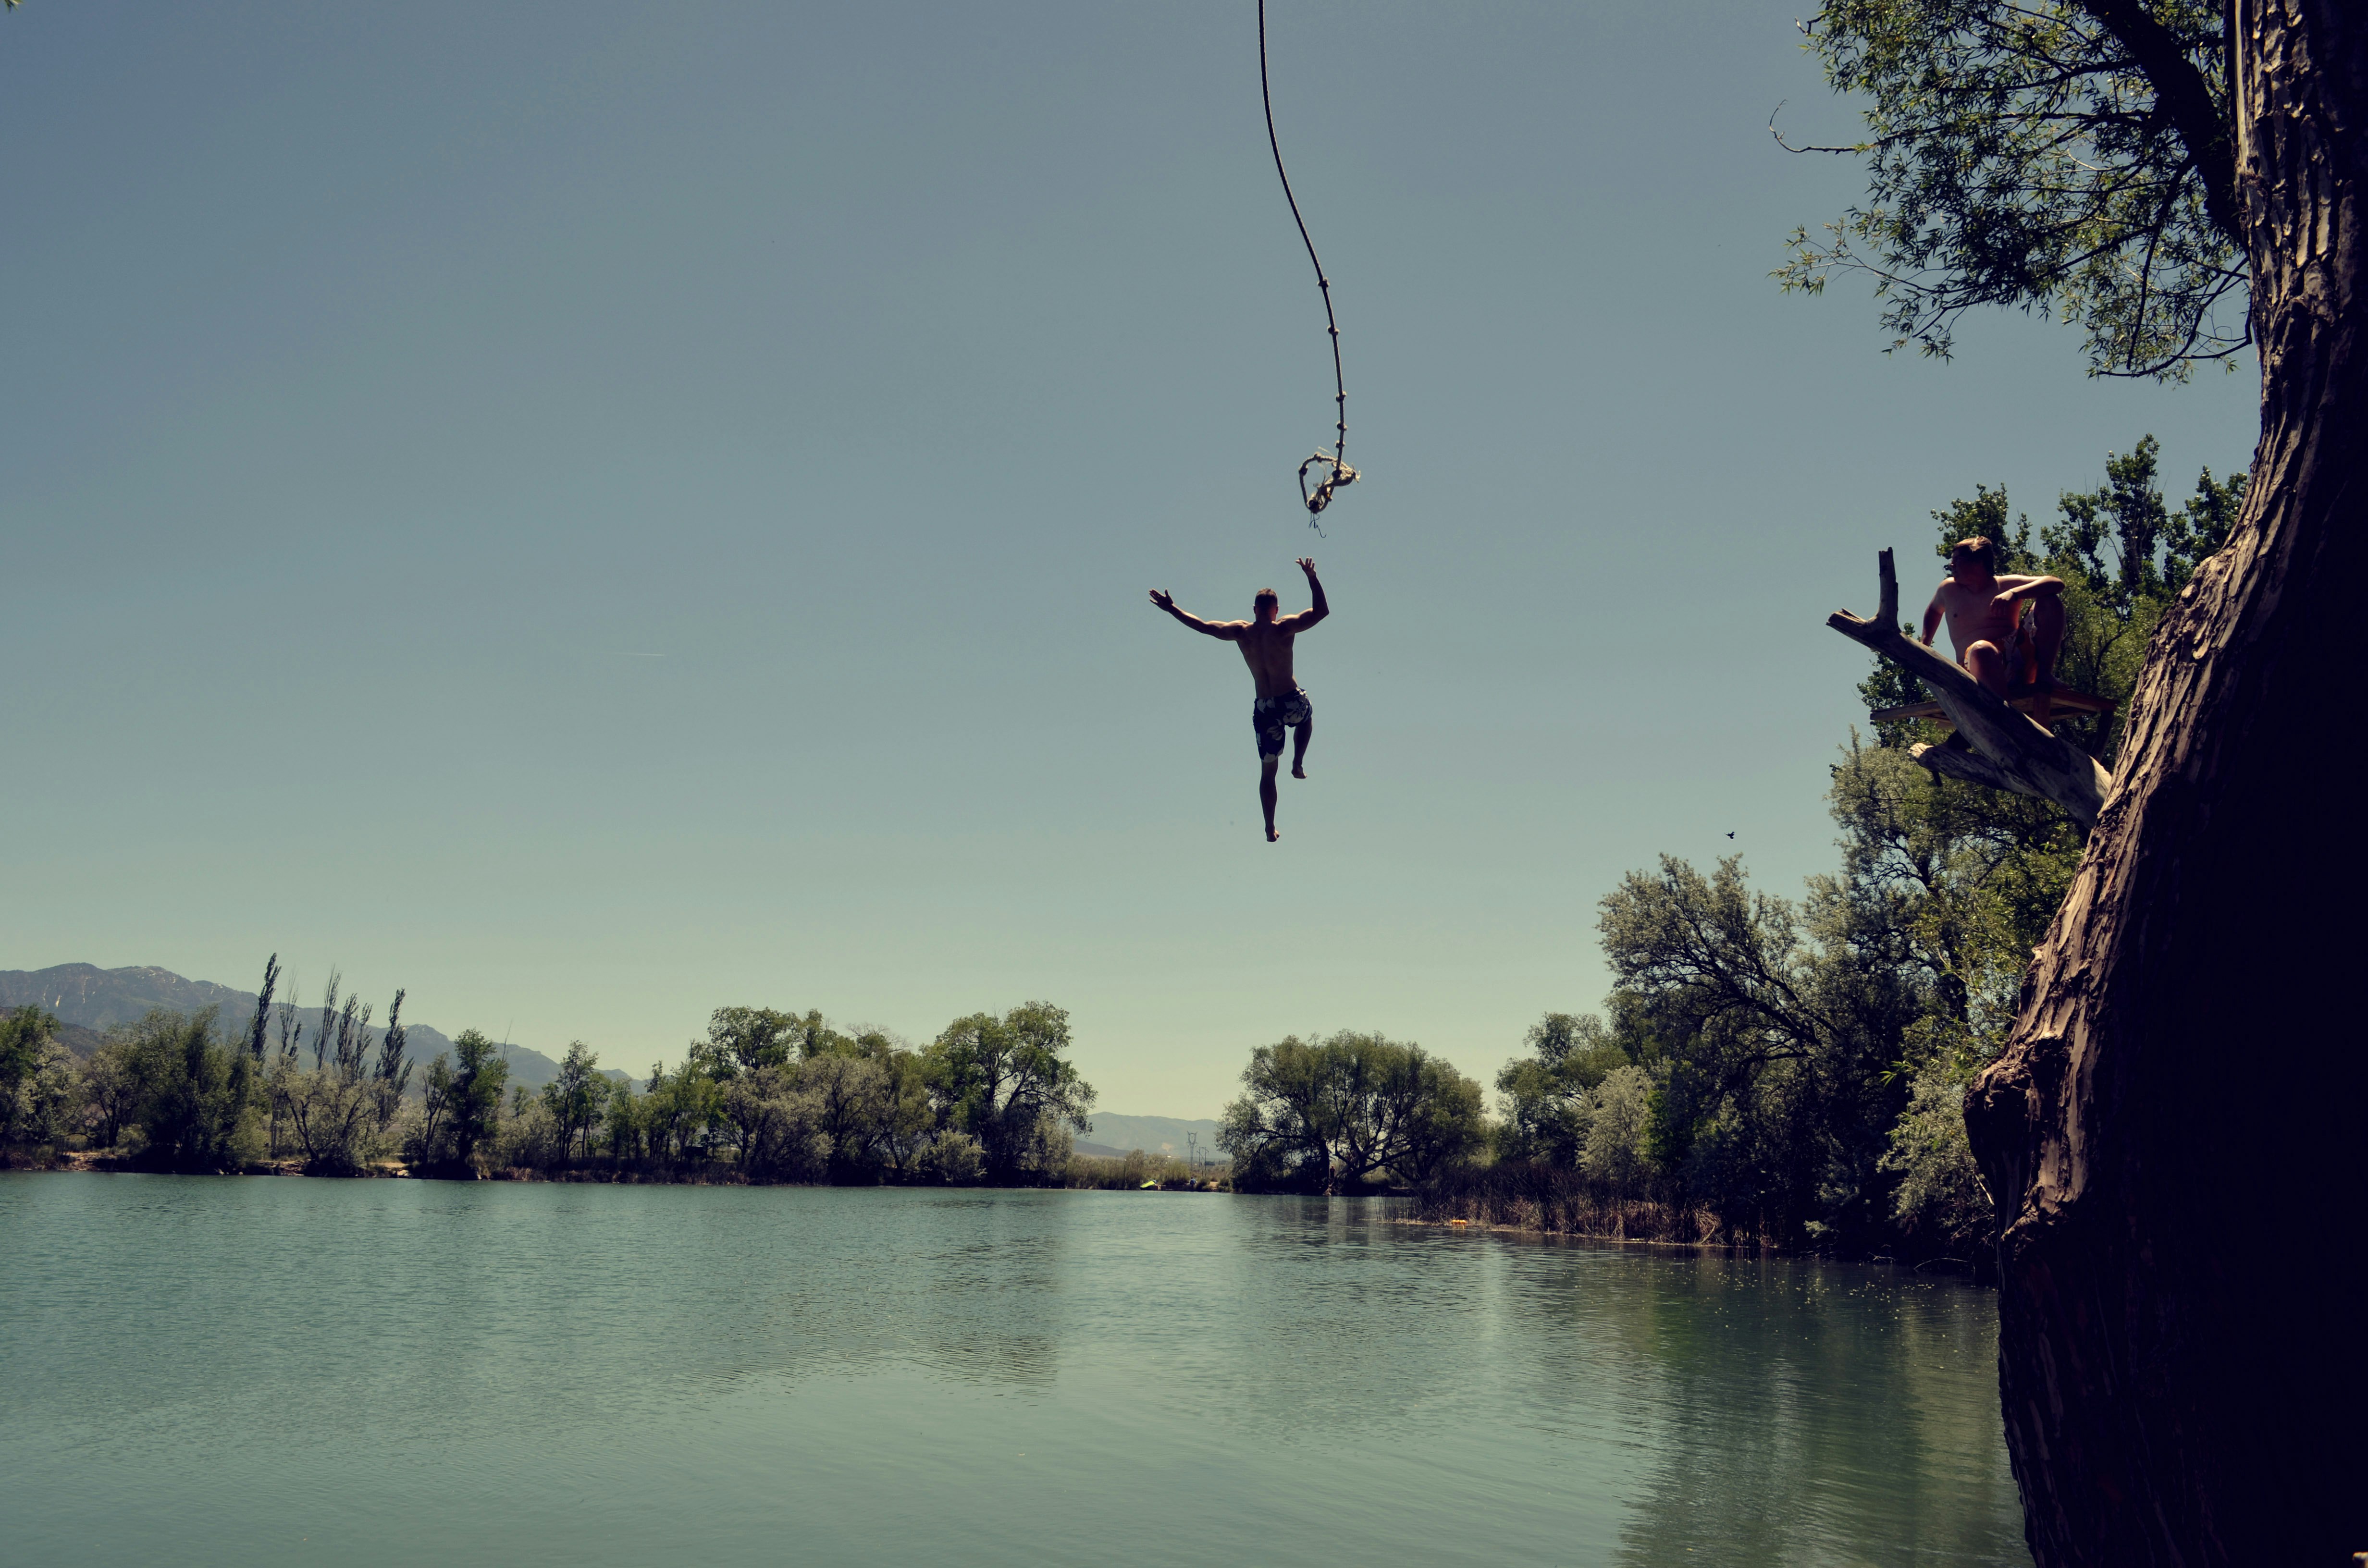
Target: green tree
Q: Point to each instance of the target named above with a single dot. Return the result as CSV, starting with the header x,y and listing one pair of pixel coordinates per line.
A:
x,y
850,1098
109,1090
1618,1152
777,1122
343,1106
1776,1023
1396,1108
816,1038
1007,1082
627,1130
577,1098
258,1026
196,1095
464,1105
743,1039
1280,1132
1547,1096
908,1115
1442,1124
37,1080
954,1158
1327,1116
682,1111
2071,159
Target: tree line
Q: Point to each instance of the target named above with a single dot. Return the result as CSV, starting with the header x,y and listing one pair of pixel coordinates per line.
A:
x,y
765,1095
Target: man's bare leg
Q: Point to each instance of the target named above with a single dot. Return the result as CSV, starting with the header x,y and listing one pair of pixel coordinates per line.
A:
x,y
2046,642
1266,765
1299,749
1988,666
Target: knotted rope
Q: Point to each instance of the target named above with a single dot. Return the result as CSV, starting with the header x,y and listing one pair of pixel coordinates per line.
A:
x,y
1333,465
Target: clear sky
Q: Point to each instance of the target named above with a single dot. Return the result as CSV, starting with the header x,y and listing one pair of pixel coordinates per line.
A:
x,y
595,512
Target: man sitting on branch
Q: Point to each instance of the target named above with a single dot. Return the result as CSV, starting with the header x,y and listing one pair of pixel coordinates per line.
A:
x,y
1266,647
1985,622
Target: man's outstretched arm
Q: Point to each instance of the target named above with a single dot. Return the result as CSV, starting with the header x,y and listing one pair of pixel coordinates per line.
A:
x,y
1308,617
1223,631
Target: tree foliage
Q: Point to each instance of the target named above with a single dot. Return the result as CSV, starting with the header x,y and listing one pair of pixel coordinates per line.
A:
x,y
1797,1067
37,1081
578,1100
193,1095
462,1104
343,1106
2073,158
1549,1095
1007,1084
1329,1115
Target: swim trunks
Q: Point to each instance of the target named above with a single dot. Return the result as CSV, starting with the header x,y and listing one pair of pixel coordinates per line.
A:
x,y
1270,716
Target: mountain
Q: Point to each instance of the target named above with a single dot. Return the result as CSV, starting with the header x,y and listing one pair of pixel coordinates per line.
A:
x,y
89,1001
1152,1134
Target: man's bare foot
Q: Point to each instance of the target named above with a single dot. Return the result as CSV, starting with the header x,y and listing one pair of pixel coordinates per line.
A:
x,y
1299,770
1271,834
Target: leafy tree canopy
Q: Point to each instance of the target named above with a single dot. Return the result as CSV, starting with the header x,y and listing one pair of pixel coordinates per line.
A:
x,y
1329,1114
2069,157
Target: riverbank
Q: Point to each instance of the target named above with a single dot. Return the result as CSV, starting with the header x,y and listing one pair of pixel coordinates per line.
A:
x,y
1522,1202
1131,1173
1552,1203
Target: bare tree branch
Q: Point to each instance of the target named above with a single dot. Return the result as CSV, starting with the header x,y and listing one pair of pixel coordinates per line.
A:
x,y
2023,757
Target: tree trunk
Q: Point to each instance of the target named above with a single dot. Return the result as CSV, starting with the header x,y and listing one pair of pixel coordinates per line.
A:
x,y
2174,1135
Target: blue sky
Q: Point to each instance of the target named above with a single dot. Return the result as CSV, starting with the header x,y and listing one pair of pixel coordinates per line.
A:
x,y
596,512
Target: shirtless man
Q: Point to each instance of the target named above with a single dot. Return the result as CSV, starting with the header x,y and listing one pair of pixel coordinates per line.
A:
x,y
1266,647
1985,613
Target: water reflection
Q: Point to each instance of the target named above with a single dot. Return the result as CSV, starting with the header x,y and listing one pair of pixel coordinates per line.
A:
x,y
618,1373
1810,1414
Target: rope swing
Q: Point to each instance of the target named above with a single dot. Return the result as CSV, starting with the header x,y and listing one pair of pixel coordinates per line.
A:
x,y
1332,467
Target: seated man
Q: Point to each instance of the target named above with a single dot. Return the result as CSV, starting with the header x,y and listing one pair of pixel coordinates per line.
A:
x,y
1266,648
1985,613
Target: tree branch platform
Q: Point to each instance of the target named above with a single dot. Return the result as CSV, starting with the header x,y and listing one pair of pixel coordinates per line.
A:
x,y
1995,745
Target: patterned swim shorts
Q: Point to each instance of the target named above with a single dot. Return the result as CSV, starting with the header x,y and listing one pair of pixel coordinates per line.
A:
x,y
1270,716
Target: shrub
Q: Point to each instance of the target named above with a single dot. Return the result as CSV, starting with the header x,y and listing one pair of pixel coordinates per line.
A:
x,y
954,1159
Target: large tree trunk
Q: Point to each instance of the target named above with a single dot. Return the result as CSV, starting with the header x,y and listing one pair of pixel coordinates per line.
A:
x,y
2175,1134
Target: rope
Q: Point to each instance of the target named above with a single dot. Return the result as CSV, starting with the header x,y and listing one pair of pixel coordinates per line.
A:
x,y
1334,464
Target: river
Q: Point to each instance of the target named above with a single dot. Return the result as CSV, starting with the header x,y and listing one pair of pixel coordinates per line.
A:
x,y
202,1370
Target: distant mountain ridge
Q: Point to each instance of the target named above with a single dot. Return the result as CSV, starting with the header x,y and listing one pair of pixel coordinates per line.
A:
x,y
89,1001
1117,1134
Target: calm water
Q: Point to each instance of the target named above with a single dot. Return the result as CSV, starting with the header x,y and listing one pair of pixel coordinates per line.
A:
x,y
274,1371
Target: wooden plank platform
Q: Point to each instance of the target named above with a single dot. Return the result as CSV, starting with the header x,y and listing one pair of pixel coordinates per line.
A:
x,y
2063,699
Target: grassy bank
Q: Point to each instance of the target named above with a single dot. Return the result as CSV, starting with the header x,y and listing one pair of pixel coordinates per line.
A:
x,y
1558,1201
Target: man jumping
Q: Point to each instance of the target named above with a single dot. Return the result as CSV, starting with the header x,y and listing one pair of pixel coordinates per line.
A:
x,y
1985,613
1266,647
